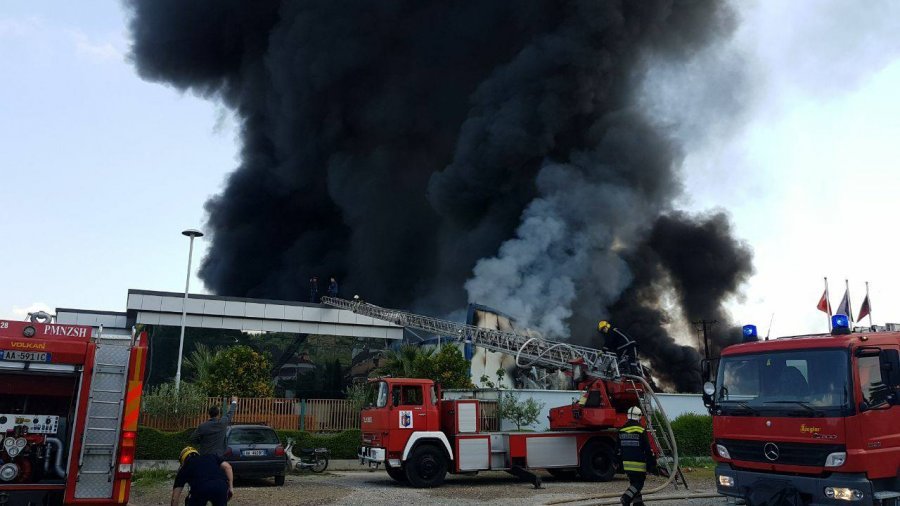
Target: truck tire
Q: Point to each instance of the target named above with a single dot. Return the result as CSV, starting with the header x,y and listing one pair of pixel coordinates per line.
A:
x,y
279,481
426,467
598,462
397,473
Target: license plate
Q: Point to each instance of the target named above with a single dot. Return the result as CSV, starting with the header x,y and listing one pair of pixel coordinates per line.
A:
x,y
253,453
24,356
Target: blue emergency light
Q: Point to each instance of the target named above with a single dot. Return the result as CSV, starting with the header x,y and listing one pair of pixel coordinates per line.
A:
x,y
840,321
750,334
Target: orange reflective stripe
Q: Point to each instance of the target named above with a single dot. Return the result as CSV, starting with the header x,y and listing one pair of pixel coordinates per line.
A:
x,y
132,405
123,486
138,363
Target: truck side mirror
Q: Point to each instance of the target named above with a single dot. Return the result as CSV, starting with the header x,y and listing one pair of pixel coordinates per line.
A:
x,y
709,389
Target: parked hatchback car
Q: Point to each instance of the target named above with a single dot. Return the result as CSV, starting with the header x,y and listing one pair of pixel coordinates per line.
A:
x,y
254,451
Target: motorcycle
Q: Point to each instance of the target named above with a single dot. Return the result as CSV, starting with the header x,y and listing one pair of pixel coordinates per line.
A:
x,y
314,459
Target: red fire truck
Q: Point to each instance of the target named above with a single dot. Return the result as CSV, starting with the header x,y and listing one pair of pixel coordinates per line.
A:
x,y
69,403
815,417
419,436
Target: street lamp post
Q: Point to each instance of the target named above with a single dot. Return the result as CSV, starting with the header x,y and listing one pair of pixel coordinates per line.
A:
x,y
187,283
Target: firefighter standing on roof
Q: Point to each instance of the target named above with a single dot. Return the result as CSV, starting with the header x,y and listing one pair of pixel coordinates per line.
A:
x,y
634,448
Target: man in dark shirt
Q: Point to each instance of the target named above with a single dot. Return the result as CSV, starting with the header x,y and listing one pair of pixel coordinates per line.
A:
x,y
209,437
333,288
210,479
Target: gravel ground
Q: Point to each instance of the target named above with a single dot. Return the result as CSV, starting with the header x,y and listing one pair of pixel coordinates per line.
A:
x,y
376,488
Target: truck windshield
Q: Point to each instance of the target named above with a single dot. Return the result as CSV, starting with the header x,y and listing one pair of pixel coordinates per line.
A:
x,y
805,383
377,395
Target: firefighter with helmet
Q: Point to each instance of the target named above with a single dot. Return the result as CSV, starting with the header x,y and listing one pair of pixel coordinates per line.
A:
x,y
634,448
210,478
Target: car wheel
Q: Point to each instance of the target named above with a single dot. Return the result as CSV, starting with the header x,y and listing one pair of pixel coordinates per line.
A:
x,y
397,473
279,480
426,467
598,462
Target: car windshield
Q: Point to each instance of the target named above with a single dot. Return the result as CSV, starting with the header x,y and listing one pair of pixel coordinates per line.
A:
x,y
793,383
247,436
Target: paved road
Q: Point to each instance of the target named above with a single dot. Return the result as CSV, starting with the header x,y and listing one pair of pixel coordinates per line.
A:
x,y
376,488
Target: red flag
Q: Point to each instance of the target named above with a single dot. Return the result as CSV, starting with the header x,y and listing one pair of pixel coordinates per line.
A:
x,y
864,309
824,305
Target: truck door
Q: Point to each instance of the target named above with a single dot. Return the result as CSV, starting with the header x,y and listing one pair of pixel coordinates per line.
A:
x,y
878,374
411,412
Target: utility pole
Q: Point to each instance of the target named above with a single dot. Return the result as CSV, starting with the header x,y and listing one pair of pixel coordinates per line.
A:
x,y
704,328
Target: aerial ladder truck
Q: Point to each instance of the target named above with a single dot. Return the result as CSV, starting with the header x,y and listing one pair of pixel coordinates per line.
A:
x,y
419,436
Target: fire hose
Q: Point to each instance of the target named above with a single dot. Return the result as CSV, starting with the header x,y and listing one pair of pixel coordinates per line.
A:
x,y
57,466
667,428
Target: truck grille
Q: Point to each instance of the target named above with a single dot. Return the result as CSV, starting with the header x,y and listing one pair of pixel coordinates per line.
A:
x,y
794,454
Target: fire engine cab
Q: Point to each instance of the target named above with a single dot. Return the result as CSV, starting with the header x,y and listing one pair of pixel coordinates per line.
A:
x,y
69,403
814,417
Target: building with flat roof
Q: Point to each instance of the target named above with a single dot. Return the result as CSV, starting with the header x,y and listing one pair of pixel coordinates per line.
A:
x,y
284,329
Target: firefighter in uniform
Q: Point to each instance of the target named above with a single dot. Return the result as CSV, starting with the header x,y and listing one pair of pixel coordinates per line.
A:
x,y
634,448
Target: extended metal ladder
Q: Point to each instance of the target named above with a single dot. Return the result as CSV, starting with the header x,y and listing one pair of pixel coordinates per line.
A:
x,y
100,439
529,351
661,436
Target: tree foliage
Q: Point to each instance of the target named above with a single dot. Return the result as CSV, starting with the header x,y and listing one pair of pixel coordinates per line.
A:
x,y
446,366
165,400
519,412
239,371
200,360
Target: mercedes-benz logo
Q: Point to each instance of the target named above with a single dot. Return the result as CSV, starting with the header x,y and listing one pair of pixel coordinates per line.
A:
x,y
771,451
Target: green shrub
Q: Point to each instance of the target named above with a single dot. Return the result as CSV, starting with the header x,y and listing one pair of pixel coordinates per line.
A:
x,y
342,445
693,434
166,400
154,444
240,371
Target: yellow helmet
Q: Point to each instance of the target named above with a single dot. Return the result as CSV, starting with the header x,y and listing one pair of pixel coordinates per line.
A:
x,y
603,326
189,451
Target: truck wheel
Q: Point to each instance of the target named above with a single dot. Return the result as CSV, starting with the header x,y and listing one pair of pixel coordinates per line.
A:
x,y
397,473
598,462
279,481
426,467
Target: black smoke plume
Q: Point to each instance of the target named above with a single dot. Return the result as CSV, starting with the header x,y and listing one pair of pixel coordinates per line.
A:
x,y
424,152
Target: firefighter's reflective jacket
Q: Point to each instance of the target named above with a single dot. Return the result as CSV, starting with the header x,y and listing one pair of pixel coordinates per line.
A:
x,y
634,447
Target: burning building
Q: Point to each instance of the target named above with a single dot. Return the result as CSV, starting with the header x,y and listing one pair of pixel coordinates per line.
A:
x,y
434,153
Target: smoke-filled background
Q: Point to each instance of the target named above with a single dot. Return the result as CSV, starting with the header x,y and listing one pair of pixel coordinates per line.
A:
x,y
433,153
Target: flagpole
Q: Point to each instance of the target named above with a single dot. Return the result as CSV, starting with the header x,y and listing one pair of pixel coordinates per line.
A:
x,y
869,301
827,304
849,305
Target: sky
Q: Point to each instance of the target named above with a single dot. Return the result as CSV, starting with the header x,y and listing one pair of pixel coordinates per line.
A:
x,y
101,171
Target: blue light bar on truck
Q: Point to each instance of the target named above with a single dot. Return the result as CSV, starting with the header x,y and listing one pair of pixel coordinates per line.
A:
x,y
840,324
750,334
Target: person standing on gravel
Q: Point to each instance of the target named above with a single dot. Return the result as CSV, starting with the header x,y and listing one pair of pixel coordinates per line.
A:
x,y
209,437
634,447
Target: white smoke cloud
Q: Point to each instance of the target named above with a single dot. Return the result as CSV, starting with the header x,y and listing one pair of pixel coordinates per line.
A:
x,y
564,235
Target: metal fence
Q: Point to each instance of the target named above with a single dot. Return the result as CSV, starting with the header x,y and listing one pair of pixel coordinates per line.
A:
x,y
312,415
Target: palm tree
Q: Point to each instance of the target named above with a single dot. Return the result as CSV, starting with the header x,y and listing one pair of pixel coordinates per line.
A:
x,y
199,362
408,361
